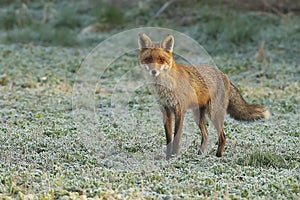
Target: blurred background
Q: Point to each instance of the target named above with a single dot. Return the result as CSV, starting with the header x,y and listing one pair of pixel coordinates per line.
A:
x,y
218,25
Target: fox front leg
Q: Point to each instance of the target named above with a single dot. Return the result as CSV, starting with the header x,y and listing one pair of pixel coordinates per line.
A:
x,y
179,116
167,117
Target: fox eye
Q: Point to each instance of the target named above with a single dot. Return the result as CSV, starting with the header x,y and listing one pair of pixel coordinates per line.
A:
x,y
161,60
148,60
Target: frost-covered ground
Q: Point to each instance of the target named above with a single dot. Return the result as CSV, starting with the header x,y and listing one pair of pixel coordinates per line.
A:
x,y
46,152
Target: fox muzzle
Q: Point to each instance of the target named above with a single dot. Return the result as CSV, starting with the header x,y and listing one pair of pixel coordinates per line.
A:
x,y
155,69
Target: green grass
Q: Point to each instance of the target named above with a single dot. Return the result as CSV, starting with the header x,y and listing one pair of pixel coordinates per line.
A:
x,y
45,154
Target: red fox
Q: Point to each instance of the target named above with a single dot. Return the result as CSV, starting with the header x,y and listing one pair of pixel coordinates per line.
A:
x,y
204,89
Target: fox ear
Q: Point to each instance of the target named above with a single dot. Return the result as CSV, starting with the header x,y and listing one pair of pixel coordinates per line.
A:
x,y
168,43
144,41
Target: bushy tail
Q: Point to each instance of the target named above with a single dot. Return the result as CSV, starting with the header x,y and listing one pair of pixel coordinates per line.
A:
x,y
239,109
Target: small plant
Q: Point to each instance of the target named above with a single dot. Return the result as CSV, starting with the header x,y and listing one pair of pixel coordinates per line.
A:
x,y
264,159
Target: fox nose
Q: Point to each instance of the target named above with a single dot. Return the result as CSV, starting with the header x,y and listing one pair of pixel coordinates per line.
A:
x,y
153,72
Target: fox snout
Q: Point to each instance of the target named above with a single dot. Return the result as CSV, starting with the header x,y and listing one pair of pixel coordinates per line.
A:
x,y
153,72
155,69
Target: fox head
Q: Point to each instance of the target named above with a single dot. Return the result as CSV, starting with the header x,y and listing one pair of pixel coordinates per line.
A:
x,y
156,57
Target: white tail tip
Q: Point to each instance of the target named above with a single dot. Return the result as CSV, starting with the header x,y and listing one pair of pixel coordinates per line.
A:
x,y
267,114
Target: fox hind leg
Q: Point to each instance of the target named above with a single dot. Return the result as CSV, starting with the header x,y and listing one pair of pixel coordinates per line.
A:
x,y
221,141
218,121
199,117
217,116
